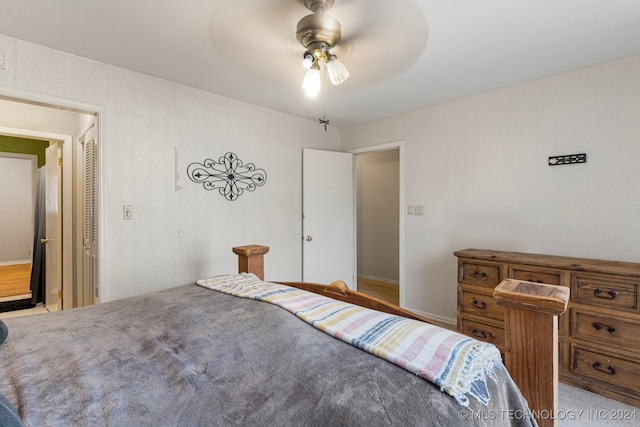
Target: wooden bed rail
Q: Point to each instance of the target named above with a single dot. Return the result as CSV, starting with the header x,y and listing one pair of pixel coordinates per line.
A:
x,y
531,328
251,260
340,291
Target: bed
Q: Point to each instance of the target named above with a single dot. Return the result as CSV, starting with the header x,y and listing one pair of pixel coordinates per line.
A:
x,y
195,356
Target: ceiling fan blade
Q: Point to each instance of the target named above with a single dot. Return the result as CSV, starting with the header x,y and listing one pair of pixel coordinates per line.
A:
x,y
373,48
252,36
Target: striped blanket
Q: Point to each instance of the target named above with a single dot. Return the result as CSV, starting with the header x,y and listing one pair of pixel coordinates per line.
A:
x,y
459,365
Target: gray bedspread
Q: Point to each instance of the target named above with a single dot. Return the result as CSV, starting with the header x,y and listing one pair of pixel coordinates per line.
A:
x,y
191,356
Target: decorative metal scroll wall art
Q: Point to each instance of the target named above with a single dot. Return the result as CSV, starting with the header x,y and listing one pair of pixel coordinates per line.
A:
x,y
228,175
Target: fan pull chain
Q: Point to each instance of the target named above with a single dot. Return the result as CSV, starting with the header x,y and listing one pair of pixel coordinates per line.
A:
x,y
323,121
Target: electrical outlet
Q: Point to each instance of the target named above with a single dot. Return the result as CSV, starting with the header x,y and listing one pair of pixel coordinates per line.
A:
x,y
127,212
409,210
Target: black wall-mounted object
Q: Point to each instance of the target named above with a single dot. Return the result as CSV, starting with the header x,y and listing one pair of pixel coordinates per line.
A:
x,y
228,175
567,159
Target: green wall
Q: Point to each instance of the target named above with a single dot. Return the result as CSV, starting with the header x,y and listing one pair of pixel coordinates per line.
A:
x,y
12,144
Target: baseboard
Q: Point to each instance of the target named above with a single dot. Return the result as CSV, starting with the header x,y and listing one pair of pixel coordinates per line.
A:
x,y
16,297
24,261
453,323
379,279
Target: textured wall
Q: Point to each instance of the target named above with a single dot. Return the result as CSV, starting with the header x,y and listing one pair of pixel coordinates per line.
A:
x,y
479,167
153,130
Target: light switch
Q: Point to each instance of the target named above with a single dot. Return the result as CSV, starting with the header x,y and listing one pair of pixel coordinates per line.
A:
x,y
409,210
127,212
418,210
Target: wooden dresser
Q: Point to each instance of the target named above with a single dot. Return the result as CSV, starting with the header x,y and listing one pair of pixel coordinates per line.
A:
x,y
599,335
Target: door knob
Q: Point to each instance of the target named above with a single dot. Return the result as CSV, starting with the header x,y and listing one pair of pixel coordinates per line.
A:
x,y
44,240
308,238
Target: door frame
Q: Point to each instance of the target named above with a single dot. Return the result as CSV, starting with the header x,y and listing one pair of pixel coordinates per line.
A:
x,y
399,145
25,96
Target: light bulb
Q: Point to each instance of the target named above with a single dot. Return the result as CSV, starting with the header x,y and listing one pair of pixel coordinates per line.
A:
x,y
338,73
308,59
311,83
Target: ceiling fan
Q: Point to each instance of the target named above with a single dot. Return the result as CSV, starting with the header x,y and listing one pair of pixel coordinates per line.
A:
x,y
318,33
265,41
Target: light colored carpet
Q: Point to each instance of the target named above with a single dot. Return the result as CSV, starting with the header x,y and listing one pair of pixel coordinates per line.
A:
x,y
579,408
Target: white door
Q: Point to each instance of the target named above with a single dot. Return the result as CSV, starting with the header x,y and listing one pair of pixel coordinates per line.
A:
x,y
328,249
53,241
88,289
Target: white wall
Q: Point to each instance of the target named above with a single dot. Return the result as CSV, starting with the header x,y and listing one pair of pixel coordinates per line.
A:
x,y
154,129
16,208
479,167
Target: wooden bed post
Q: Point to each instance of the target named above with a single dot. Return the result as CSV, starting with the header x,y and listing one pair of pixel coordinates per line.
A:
x,y
251,259
531,342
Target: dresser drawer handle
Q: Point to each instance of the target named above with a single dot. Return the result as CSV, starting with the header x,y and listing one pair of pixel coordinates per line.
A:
x,y
609,370
606,295
599,326
479,333
480,276
482,305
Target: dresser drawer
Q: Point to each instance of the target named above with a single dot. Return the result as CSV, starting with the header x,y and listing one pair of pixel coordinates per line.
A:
x,y
483,332
480,303
562,357
537,275
613,292
474,273
610,369
595,327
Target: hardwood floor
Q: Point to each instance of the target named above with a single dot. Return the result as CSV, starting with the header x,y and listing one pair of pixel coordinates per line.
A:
x,y
14,280
385,291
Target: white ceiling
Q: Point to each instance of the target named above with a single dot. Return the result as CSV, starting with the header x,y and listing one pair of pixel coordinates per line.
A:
x,y
402,54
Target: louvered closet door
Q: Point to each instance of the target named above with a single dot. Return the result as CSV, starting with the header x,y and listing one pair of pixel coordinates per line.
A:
x,y
88,292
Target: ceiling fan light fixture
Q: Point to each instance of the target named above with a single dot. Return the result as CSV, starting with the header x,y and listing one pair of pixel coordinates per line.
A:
x,y
338,73
311,83
318,33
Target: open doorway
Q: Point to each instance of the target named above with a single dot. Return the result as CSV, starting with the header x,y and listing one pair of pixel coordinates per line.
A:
x,y
18,187
378,207
65,128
